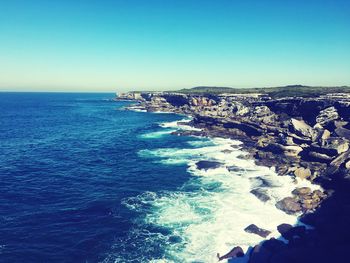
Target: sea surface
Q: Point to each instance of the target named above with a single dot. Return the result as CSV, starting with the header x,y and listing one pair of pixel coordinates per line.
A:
x,y
83,180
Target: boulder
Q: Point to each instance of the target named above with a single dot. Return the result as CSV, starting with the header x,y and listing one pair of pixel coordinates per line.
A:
x,y
234,169
327,115
292,150
253,229
206,165
302,173
301,191
289,205
343,132
319,157
261,194
236,252
289,232
331,147
325,135
341,159
283,229
261,111
301,128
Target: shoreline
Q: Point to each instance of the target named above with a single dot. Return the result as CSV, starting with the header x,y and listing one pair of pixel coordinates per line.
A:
x,y
268,153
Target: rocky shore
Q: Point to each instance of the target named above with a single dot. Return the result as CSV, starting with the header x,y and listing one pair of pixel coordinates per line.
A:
x,y
306,138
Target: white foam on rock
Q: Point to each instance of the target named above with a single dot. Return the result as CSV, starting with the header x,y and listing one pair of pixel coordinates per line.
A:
x,y
209,213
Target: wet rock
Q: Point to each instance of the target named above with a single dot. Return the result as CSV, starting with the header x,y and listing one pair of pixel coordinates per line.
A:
x,y
291,232
301,191
236,252
234,169
283,229
289,205
261,194
253,229
302,173
206,165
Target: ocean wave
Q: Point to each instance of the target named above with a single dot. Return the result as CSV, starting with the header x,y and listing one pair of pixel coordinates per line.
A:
x,y
209,213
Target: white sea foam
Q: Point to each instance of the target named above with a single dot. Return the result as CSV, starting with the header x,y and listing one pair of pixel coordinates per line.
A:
x,y
169,128
157,134
208,214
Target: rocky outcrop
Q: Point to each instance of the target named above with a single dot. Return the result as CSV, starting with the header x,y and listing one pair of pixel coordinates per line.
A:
x,y
306,138
253,229
206,165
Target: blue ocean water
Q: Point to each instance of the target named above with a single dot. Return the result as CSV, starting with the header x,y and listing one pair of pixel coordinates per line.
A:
x,y
84,180
66,163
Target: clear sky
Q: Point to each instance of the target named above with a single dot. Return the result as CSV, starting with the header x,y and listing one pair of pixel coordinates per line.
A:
x,y
101,45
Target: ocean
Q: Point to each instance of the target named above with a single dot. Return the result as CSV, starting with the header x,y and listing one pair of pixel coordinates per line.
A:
x,y
83,180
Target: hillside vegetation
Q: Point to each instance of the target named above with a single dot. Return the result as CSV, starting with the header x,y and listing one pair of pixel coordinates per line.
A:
x,y
275,92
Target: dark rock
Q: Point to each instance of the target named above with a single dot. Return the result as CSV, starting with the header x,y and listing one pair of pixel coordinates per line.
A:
x,y
261,194
318,157
256,230
235,169
289,205
260,254
342,132
283,229
274,245
206,165
301,191
236,252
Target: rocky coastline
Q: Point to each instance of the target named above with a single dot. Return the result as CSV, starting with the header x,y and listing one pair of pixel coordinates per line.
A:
x,y
306,138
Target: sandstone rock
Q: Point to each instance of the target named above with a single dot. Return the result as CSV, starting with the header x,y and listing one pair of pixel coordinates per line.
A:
x,y
302,173
327,115
289,205
206,165
302,128
341,159
347,165
325,135
257,230
261,194
292,150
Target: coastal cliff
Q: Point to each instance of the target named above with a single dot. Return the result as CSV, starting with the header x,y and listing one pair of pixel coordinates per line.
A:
x,y
303,137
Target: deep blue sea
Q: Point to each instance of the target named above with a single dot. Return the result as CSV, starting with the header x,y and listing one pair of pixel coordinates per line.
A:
x,y
83,180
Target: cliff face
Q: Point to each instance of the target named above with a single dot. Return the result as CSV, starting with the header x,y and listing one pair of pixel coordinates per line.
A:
x,y
307,138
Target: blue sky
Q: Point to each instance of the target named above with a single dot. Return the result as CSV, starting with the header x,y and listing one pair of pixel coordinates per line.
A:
x,y
73,45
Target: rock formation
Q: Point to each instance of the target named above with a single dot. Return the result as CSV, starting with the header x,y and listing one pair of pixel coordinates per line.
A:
x,y
307,138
